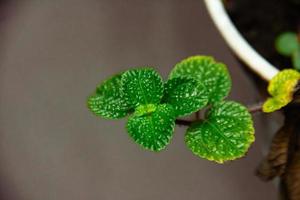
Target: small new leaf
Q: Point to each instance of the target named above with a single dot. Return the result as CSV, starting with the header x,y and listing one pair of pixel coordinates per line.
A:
x,y
225,135
287,43
142,86
213,75
185,94
108,101
281,88
296,59
152,130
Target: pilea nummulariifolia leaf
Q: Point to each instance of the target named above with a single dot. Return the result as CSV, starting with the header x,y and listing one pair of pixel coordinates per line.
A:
x,y
153,105
281,88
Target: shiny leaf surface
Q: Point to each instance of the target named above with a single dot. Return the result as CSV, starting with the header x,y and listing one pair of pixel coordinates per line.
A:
x,y
108,100
142,86
212,75
186,95
225,135
152,128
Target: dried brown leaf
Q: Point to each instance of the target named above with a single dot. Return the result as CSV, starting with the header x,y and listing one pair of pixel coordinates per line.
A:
x,y
291,179
275,162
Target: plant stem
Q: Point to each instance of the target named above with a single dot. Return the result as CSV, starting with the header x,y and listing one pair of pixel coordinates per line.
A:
x,y
197,115
255,108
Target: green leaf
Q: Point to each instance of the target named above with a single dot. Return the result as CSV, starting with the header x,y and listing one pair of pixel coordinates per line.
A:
x,y
212,75
275,103
281,88
108,101
287,43
154,128
145,109
185,94
296,59
142,86
226,134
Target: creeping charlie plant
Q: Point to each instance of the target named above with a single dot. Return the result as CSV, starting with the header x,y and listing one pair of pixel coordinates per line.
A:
x,y
152,106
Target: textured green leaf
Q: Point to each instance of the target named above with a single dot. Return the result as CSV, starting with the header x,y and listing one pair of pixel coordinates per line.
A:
x,y
152,129
185,94
296,59
145,109
281,88
226,134
287,43
275,103
277,84
142,86
108,101
213,75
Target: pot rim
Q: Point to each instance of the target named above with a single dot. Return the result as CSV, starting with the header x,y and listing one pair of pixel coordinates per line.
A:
x,y
237,42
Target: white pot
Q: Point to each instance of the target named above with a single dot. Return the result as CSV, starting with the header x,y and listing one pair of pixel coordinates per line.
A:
x,y
237,42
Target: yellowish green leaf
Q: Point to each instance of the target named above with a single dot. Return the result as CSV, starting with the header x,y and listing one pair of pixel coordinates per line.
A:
x,y
226,134
281,88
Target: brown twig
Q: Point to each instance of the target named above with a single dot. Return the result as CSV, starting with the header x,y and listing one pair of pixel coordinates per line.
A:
x,y
197,115
255,108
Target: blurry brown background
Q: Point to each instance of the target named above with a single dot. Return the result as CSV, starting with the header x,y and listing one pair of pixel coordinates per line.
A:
x,y
52,55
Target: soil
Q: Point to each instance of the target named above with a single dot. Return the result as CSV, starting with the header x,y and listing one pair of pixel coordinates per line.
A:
x,y
262,21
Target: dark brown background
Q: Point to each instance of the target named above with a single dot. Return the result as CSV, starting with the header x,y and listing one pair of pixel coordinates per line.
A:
x,y
53,53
